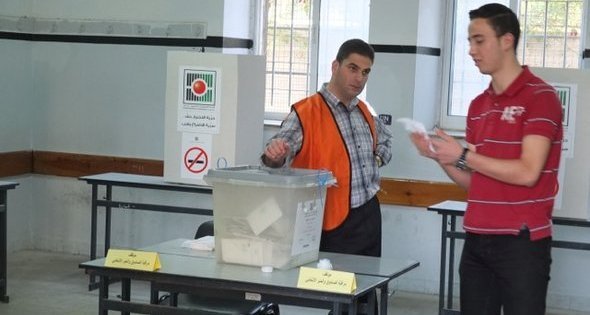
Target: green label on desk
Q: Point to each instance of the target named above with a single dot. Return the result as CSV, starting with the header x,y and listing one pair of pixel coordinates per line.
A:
x,y
132,259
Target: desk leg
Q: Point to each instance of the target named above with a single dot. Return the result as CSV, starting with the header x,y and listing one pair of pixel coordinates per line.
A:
x,y
337,309
3,248
443,260
384,297
103,294
125,292
352,307
154,294
451,264
93,223
371,303
173,299
107,226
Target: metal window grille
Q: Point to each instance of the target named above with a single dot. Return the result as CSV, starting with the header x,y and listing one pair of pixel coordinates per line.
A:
x,y
551,32
288,53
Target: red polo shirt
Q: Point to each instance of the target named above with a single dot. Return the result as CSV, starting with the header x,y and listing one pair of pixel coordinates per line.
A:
x,y
496,125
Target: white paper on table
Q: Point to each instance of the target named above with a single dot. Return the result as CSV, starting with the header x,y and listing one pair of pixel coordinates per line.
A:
x,y
204,243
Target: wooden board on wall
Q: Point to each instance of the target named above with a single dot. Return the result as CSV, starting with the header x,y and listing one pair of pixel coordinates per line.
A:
x,y
16,163
418,193
75,165
393,191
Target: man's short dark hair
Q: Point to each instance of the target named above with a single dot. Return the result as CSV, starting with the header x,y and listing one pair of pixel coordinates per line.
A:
x,y
500,18
353,46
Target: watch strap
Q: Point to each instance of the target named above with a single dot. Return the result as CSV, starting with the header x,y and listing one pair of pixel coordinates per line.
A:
x,y
462,162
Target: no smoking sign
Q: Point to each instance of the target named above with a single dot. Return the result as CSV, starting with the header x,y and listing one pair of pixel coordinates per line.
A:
x,y
196,160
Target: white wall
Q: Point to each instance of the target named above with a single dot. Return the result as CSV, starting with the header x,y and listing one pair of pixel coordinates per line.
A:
x,y
404,84
16,112
99,99
15,104
108,99
16,8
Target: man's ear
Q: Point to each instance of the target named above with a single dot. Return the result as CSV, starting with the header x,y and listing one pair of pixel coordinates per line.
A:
x,y
508,41
335,65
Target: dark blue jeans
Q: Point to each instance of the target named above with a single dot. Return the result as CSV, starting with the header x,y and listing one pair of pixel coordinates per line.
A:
x,y
508,272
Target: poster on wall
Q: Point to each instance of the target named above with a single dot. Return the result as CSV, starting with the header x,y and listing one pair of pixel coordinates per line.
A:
x,y
199,99
567,94
196,155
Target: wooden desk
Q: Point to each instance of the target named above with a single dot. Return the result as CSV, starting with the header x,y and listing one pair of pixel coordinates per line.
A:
x,y
4,187
113,180
389,268
190,274
450,210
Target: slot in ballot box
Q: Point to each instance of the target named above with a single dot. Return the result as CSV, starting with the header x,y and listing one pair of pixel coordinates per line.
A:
x,y
268,217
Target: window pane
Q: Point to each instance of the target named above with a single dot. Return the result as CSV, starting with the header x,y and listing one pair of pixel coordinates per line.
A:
x,y
550,34
298,59
465,79
287,52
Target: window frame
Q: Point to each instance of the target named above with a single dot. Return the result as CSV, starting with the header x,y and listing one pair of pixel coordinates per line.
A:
x,y
456,123
329,27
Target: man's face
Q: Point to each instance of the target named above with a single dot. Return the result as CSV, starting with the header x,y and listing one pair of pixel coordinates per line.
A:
x,y
485,47
349,76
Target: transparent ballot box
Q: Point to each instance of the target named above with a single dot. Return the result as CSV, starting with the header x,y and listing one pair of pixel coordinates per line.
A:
x,y
268,217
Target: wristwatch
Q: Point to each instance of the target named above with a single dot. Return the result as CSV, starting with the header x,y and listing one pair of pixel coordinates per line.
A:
x,y
462,162
378,160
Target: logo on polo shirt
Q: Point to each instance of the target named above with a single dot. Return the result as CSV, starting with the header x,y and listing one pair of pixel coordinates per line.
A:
x,y
510,112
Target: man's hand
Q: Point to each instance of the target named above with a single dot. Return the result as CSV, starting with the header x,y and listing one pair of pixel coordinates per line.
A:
x,y
275,153
423,144
448,150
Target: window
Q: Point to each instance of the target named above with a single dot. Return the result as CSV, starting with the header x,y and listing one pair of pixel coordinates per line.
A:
x,y
551,33
302,38
550,37
289,54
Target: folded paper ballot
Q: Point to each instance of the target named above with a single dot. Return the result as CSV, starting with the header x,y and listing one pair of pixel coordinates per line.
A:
x,y
413,126
204,243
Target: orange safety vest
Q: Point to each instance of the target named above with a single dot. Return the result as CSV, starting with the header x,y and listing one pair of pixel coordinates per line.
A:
x,y
323,147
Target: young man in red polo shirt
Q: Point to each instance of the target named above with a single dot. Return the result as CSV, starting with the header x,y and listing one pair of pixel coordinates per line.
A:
x,y
509,169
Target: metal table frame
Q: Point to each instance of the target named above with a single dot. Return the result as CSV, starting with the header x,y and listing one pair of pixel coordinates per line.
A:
x,y
279,286
357,264
112,180
4,187
450,210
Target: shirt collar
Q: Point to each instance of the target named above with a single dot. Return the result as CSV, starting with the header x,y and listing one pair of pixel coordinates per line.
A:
x,y
516,85
333,101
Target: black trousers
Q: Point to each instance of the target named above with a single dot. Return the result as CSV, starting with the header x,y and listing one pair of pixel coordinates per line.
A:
x,y
359,234
504,272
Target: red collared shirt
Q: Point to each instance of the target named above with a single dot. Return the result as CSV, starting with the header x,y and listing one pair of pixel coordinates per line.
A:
x,y
496,126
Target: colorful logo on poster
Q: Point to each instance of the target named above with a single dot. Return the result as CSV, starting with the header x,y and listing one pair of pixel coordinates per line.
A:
x,y
199,87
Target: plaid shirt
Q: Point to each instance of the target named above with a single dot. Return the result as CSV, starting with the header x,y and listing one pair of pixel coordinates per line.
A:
x,y
359,143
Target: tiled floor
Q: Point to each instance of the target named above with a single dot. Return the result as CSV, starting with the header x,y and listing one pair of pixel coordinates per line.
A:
x,y
50,283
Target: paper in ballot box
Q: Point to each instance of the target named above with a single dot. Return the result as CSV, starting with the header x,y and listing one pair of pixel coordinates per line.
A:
x,y
268,217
